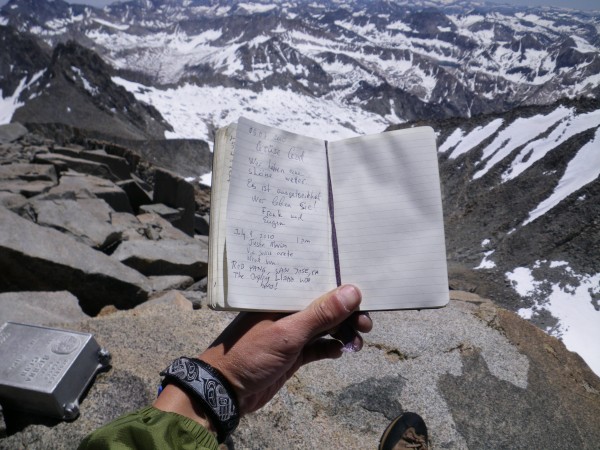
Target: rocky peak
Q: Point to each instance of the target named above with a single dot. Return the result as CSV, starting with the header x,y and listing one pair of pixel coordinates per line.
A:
x,y
40,12
22,57
441,58
429,22
79,83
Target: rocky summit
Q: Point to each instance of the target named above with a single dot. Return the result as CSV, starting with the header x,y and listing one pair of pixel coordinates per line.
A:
x,y
95,238
80,217
106,114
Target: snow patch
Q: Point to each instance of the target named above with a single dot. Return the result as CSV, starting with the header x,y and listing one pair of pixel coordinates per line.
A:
x,y
110,25
8,105
256,8
582,169
206,179
93,90
583,46
579,321
400,26
536,150
516,134
476,137
451,141
485,262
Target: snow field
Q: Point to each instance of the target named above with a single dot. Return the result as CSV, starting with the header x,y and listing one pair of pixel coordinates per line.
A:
x,y
189,108
579,322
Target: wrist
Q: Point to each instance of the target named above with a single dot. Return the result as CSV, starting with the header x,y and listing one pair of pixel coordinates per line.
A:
x,y
214,356
176,400
208,392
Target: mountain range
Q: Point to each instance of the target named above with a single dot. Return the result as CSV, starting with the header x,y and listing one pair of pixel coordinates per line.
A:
x,y
395,60
511,92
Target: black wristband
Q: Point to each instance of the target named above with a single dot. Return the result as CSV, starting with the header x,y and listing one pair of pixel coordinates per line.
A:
x,y
208,387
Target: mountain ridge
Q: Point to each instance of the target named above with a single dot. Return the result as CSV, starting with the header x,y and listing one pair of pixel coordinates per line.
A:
x,y
519,178
453,58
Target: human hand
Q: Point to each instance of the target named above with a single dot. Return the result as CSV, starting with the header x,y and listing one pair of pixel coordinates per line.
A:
x,y
259,352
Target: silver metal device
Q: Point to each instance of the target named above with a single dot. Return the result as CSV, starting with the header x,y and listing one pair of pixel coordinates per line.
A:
x,y
46,370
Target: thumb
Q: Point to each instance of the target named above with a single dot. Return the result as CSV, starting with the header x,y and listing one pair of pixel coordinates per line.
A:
x,y
327,312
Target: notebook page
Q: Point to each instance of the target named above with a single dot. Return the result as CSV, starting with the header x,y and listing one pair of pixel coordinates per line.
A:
x,y
278,231
222,159
388,218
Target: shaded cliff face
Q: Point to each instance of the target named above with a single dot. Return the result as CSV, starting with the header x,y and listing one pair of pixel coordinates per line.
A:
x,y
76,89
22,57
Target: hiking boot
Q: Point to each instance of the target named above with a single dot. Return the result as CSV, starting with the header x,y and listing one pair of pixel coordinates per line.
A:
x,y
407,431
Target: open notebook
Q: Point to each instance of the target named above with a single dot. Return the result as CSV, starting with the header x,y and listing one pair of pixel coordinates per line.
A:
x,y
293,216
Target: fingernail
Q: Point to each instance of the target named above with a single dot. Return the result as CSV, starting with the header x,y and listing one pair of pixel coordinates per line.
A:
x,y
349,296
365,313
352,346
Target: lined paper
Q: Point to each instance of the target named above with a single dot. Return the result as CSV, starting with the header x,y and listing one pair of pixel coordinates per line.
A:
x,y
278,232
389,221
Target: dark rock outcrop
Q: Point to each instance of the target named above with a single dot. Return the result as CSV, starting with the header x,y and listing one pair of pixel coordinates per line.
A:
x,y
72,82
174,191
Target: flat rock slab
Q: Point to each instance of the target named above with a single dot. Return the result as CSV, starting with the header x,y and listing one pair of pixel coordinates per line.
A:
x,y
40,308
38,258
11,132
129,226
27,179
164,211
86,220
465,368
174,298
117,165
28,172
63,163
170,282
27,189
12,201
88,186
159,228
165,257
